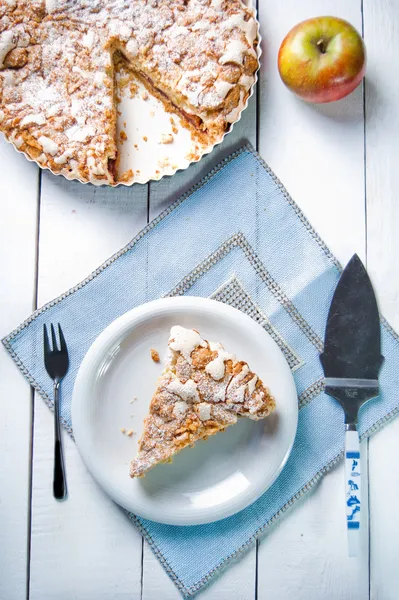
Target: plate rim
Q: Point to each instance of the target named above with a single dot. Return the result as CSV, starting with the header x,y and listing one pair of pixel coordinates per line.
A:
x,y
110,334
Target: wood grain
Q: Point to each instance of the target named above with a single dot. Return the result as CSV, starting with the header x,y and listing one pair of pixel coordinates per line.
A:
x,y
381,25
236,582
318,153
316,150
162,194
19,192
85,547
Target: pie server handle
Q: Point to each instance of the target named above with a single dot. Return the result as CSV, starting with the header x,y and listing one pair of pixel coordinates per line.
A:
x,y
353,489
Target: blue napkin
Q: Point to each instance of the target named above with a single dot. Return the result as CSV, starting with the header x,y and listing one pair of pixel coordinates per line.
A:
x,y
239,237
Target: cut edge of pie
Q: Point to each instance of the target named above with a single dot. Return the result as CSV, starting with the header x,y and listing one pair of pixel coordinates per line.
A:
x,y
202,390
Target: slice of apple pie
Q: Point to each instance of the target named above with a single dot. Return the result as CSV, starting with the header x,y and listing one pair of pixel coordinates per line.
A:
x,y
202,390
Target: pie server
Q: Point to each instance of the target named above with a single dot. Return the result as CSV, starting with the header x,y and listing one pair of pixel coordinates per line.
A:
x,y
351,362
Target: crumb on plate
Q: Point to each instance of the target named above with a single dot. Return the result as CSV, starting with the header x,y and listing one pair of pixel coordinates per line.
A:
x,y
165,162
133,89
126,176
166,138
154,355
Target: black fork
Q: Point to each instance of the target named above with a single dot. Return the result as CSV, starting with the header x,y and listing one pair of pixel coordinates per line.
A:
x,y
57,362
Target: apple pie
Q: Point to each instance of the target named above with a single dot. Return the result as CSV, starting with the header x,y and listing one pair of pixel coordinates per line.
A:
x,y
57,96
202,390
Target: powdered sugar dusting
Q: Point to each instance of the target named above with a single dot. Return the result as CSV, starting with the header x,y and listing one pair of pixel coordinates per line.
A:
x,y
204,411
88,39
49,146
180,408
185,341
7,43
187,391
234,53
32,119
216,368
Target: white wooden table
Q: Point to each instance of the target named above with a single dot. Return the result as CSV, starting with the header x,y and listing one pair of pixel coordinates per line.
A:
x,y
340,164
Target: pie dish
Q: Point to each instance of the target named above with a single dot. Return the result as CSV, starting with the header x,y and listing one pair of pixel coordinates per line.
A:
x,y
202,391
57,94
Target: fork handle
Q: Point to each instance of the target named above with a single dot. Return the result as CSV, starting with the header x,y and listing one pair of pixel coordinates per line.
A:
x,y
352,488
59,481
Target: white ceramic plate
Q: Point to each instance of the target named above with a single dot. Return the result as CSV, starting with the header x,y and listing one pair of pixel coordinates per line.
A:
x,y
216,478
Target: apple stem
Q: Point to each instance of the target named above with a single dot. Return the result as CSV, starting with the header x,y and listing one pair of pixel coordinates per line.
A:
x,y
321,44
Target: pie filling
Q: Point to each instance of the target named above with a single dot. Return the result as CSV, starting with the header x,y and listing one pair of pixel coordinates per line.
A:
x,y
112,168
190,119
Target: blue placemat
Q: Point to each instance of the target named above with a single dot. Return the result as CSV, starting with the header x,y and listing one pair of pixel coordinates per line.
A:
x,y
236,236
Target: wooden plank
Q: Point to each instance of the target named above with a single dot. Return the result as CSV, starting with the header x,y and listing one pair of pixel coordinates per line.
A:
x,y
381,22
241,581
304,555
237,582
168,189
19,194
318,153
84,547
316,150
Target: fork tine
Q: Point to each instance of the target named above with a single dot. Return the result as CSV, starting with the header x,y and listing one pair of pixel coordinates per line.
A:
x,y
53,338
62,340
46,343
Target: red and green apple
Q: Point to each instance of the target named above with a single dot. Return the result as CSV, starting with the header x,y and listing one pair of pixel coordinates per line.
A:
x,y
322,59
